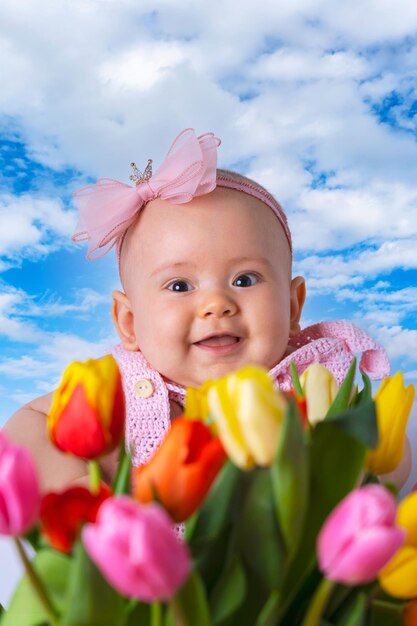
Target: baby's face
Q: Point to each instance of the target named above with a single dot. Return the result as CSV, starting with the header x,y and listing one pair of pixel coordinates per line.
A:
x,y
208,287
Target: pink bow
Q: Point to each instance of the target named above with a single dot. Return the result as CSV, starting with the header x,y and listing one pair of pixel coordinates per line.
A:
x,y
109,207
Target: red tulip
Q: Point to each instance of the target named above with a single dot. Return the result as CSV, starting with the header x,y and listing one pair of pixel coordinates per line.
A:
x,y
182,470
63,514
88,411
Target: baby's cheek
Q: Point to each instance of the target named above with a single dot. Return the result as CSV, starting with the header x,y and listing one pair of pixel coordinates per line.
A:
x,y
275,340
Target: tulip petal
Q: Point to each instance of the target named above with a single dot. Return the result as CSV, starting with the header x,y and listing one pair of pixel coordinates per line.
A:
x,y
79,428
87,413
399,577
320,389
407,517
261,411
136,549
393,404
361,561
19,489
62,514
363,508
182,470
224,415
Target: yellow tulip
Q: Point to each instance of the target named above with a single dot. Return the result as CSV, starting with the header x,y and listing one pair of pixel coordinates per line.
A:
x,y
399,576
196,403
320,389
393,405
248,412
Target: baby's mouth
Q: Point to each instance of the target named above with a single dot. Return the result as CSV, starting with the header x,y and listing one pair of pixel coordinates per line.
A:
x,y
218,341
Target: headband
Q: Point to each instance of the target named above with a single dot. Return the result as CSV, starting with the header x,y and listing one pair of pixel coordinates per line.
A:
x,y
109,207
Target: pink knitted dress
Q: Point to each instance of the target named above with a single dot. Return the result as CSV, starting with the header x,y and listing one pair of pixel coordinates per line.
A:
x,y
333,344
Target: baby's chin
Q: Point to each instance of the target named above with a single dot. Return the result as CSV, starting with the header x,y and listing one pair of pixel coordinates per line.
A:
x,y
218,371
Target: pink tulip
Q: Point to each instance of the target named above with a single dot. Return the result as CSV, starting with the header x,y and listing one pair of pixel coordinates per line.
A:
x,y
19,489
360,536
136,549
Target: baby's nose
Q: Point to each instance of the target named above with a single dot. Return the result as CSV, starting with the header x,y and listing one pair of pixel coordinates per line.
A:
x,y
217,304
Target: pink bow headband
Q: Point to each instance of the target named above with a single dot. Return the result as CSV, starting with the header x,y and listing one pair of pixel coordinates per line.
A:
x,y
109,207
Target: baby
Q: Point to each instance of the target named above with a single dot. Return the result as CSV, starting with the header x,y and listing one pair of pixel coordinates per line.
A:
x,y
205,261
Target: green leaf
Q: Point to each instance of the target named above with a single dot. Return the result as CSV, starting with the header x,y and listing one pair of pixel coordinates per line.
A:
x,y
355,613
289,473
35,539
341,401
258,534
229,592
215,513
366,393
189,607
90,599
336,460
25,608
360,421
140,615
270,612
295,379
386,614
121,482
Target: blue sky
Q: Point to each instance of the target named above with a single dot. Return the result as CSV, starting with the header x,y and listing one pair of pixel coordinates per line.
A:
x,y
319,106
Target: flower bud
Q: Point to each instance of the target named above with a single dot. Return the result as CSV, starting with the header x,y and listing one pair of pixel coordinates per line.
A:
x,y
87,413
393,405
20,495
248,412
359,537
182,470
63,514
399,576
320,389
136,549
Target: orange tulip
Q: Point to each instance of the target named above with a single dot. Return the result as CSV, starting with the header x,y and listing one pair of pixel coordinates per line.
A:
x,y
182,470
410,613
88,411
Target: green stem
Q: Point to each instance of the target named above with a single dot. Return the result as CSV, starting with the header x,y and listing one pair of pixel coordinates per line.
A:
x,y
156,614
37,584
177,612
95,476
121,481
319,602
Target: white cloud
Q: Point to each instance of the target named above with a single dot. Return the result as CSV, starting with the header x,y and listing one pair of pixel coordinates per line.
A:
x,y
19,311
139,68
344,217
357,265
399,342
292,65
86,300
32,226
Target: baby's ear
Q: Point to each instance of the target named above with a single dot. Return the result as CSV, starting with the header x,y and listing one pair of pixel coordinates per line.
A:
x,y
122,315
297,298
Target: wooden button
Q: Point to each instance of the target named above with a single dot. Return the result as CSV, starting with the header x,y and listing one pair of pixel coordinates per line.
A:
x,y
144,388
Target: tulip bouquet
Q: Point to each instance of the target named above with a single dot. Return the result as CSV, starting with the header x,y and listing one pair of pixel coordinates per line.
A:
x,y
259,508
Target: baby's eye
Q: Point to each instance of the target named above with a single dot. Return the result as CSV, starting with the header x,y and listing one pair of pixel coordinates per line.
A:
x,y
246,280
179,285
